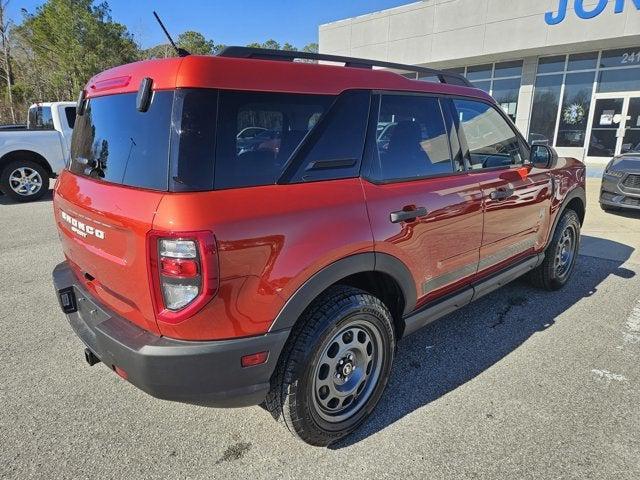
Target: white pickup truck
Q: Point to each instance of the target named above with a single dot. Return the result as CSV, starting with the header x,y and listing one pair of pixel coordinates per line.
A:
x,y
32,154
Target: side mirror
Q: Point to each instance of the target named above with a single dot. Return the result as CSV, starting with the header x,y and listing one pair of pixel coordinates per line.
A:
x,y
543,156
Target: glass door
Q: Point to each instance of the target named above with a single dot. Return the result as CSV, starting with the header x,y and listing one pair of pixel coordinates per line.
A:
x,y
603,139
614,126
631,138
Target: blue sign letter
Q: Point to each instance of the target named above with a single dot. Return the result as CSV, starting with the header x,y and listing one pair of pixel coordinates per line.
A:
x,y
562,13
620,5
582,13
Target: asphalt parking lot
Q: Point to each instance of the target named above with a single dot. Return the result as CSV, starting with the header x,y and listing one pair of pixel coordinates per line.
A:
x,y
522,384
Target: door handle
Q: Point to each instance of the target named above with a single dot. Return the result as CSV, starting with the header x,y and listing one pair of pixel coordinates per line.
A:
x,y
406,215
501,194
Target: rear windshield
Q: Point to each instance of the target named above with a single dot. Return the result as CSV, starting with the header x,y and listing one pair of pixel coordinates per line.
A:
x,y
114,142
204,139
40,118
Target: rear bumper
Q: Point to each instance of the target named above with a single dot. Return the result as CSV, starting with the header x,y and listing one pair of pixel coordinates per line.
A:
x,y
203,373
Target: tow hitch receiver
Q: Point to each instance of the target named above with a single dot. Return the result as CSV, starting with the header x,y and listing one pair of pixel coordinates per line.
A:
x,y
67,299
90,357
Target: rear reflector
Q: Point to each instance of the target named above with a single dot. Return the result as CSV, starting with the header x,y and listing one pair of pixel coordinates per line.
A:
x,y
121,372
254,359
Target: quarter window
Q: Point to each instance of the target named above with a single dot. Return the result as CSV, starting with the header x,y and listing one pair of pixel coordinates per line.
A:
x,y
490,139
411,139
334,149
283,120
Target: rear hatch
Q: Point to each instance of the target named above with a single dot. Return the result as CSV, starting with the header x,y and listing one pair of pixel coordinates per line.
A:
x,y
105,203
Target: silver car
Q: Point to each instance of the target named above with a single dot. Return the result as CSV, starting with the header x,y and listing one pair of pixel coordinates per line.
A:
x,y
621,182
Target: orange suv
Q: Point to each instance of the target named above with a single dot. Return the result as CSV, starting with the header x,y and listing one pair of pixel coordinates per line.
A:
x,y
246,228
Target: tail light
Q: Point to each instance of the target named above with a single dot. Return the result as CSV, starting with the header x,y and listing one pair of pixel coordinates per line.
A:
x,y
183,268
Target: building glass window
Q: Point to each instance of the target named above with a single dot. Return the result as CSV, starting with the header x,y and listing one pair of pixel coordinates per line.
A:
x,y
582,61
624,57
501,80
479,72
546,99
508,69
551,64
619,80
574,114
506,93
483,85
564,90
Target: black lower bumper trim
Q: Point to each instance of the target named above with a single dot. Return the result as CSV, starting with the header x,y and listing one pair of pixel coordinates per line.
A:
x,y
202,373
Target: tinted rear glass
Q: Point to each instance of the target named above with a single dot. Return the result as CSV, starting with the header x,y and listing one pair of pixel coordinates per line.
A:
x,y
281,120
70,113
116,143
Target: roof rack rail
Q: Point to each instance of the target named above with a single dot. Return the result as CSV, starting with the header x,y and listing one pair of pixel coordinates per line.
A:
x,y
290,55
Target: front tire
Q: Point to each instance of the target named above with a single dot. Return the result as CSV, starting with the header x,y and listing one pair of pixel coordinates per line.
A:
x,y
336,366
561,254
24,180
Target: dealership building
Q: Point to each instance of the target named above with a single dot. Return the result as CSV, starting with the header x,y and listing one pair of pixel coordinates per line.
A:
x,y
566,71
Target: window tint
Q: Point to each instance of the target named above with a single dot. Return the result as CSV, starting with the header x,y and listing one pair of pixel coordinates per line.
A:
x,y
334,148
193,140
411,139
260,160
491,140
70,113
114,142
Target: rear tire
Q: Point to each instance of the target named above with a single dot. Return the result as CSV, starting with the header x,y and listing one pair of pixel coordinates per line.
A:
x,y
24,180
335,367
561,254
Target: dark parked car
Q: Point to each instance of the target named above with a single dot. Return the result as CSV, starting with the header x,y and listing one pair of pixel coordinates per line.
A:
x,y
621,182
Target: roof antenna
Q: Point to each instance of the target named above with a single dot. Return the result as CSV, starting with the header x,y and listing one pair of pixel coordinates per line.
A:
x,y
181,51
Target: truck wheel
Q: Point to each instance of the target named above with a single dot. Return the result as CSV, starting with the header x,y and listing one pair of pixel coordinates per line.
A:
x,y
336,366
560,256
24,180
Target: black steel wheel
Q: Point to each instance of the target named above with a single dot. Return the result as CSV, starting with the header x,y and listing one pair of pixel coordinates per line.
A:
x,y
335,366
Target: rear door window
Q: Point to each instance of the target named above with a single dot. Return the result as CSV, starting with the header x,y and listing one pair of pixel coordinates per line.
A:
x,y
114,142
411,139
490,139
281,121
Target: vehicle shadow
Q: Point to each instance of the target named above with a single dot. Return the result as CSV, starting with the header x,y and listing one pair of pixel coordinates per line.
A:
x,y
460,346
6,200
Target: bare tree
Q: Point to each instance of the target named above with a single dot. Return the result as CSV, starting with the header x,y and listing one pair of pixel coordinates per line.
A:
x,y
6,56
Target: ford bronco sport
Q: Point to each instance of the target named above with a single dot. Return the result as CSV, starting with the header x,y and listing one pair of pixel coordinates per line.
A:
x,y
209,269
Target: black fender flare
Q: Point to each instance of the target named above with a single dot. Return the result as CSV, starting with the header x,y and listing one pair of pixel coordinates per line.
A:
x,y
332,273
577,192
